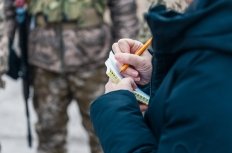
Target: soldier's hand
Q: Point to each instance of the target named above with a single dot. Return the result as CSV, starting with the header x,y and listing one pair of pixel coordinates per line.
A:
x,y
140,66
124,84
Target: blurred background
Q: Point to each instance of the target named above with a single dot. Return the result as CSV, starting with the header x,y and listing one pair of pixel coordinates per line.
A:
x,y
13,121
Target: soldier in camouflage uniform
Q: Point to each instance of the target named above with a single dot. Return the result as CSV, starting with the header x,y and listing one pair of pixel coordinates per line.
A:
x,y
3,45
177,5
68,45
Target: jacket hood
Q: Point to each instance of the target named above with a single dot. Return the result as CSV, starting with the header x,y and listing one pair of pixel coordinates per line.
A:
x,y
207,24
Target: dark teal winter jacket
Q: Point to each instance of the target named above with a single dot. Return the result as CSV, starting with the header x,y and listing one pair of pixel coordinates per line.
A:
x,y
190,110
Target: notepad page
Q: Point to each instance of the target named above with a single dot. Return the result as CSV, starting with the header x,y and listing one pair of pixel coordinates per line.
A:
x,y
113,73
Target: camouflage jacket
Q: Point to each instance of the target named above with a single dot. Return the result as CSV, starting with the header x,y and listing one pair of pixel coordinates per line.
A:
x,y
75,46
3,45
177,5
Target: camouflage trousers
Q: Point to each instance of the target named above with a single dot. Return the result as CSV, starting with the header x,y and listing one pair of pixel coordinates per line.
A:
x,y
52,95
3,56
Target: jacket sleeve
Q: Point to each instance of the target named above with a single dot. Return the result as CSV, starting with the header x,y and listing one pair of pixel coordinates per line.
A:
x,y
9,12
125,22
116,115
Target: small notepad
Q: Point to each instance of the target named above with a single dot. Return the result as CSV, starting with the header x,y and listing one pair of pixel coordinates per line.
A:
x,y
113,73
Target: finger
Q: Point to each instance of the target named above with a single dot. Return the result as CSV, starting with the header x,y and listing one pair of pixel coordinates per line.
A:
x,y
130,59
118,64
134,45
136,79
116,48
124,46
129,45
137,45
130,72
134,86
132,82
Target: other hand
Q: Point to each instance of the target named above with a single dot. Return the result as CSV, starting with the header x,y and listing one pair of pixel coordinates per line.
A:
x,y
124,84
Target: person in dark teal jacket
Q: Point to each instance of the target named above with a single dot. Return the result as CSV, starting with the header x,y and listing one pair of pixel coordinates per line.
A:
x,y
190,109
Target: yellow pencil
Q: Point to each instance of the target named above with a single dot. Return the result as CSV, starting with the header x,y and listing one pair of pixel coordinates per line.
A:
x,y
138,52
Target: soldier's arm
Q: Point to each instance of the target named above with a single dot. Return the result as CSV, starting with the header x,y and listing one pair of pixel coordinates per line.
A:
x,y
124,18
9,12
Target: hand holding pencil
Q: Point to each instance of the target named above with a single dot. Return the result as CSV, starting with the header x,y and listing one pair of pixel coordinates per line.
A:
x,y
133,53
138,52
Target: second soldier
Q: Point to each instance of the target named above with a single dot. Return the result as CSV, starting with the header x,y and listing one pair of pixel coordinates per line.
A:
x,y
68,45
